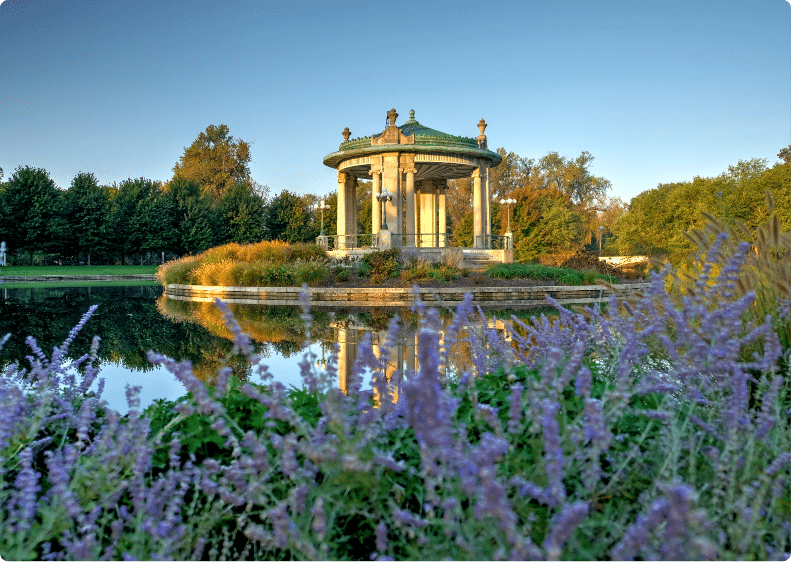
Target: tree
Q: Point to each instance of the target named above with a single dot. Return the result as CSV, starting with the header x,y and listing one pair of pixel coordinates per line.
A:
x,y
560,225
458,203
86,210
138,219
32,212
514,172
657,219
364,209
215,161
193,220
242,213
784,155
287,218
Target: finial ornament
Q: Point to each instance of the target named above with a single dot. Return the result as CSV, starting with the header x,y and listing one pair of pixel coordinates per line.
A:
x,y
392,116
346,134
412,114
482,137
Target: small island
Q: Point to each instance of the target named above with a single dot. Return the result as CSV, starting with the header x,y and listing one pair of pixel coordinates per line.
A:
x,y
275,272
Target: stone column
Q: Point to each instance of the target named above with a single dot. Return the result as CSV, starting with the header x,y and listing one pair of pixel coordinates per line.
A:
x,y
348,341
442,216
390,183
486,204
477,210
376,206
341,213
351,211
428,214
398,200
410,206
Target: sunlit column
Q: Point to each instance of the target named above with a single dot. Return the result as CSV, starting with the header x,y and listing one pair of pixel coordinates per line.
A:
x,y
486,202
341,211
376,207
390,183
477,209
351,211
428,213
442,218
410,206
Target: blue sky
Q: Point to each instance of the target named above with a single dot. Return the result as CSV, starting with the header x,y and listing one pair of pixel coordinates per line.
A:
x,y
656,91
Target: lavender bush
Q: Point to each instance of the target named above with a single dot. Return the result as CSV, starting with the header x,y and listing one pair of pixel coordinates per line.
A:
x,y
640,433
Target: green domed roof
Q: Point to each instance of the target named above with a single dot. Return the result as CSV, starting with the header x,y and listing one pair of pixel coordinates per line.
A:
x,y
412,127
426,140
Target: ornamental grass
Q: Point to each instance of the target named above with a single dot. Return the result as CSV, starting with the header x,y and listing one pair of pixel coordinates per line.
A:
x,y
271,264
643,433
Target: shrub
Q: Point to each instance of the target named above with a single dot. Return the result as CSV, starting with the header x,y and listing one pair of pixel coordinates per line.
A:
x,y
311,272
759,258
562,275
179,271
304,252
342,274
625,435
248,265
383,263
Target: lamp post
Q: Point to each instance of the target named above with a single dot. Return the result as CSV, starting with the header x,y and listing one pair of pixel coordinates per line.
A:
x,y
383,197
509,203
321,206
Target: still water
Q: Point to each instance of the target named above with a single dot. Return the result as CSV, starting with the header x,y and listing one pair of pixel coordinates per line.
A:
x,y
131,320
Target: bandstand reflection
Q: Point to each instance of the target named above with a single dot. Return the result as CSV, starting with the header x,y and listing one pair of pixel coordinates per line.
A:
x,y
402,359
340,334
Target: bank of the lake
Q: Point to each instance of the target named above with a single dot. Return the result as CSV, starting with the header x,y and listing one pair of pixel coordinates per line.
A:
x,y
20,276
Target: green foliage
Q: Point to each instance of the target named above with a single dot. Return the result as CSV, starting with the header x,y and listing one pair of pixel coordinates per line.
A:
x,y
136,221
86,208
766,271
562,275
45,270
194,220
560,226
215,161
384,263
242,213
657,218
464,233
287,218
31,212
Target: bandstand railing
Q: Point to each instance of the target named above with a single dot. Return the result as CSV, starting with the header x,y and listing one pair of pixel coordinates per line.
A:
x,y
408,239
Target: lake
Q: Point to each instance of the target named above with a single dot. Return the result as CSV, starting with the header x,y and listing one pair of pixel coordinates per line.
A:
x,y
131,320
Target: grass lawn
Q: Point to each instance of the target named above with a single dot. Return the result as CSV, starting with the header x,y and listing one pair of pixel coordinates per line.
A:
x,y
42,270
62,284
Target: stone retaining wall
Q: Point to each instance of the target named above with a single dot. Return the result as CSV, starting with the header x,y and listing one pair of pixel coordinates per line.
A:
x,y
399,297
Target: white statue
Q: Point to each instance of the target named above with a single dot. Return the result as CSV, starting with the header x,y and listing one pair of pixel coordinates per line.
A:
x,y
2,253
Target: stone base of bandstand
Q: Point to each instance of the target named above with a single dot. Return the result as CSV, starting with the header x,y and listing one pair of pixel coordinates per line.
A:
x,y
496,297
472,258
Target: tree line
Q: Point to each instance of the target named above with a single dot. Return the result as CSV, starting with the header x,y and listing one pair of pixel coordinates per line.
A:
x,y
655,220
560,207
211,200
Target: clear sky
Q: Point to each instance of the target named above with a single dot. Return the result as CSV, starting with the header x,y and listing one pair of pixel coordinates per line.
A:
x,y
657,91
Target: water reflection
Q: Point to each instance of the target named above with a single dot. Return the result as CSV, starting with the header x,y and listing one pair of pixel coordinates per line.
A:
x,y
339,332
131,320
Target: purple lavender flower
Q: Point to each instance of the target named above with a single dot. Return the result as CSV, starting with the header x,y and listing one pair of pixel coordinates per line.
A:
x,y
553,451
563,524
381,538
319,522
515,408
27,487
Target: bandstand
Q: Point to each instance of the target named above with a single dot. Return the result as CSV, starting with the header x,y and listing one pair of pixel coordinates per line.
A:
x,y
409,166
